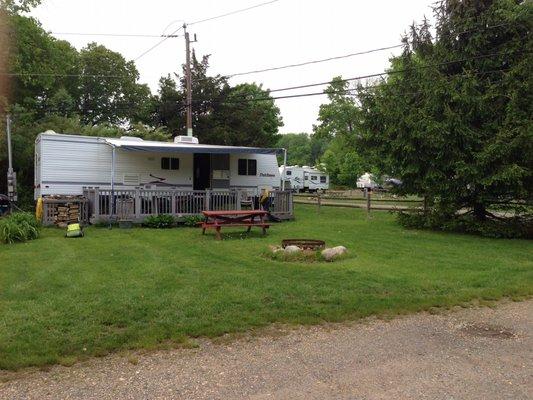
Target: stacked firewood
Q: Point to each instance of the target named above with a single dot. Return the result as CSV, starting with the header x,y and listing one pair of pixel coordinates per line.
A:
x,y
67,213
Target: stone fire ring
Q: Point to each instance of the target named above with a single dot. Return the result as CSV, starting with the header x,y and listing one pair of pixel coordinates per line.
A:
x,y
305,244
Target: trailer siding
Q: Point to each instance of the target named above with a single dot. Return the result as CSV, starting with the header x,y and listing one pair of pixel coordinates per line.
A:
x,y
267,164
65,164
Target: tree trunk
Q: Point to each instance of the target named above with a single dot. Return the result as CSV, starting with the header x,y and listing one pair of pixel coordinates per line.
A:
x,y
480,213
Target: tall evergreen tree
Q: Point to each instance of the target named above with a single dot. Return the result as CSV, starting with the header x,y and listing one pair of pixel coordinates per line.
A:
x,y
454,118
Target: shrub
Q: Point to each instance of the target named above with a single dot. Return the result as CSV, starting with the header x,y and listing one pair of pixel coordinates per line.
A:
x,y
159,221
192,220
19,227
506,228
105,224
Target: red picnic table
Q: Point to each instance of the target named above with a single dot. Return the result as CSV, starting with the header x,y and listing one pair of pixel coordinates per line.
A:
x,y
249,218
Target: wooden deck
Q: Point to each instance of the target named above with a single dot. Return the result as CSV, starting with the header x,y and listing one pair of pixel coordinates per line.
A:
x,y
137,204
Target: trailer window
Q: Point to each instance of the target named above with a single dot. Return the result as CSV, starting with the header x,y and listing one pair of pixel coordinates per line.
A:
x,y
288,173
252,167
313,177
170,163
322,179
247,167
243,166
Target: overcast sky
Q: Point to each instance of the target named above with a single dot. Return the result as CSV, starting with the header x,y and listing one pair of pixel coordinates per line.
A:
x,y
284,32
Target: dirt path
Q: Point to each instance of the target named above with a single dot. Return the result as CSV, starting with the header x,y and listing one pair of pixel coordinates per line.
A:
x,y
478,353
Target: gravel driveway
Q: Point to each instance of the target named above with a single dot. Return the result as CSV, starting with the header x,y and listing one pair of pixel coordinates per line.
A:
x,y
479,353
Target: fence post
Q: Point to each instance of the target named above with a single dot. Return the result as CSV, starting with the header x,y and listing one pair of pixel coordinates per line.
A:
x,y
137,200
291,203
238,197
96,203
208,200
174,202
319,201
368,203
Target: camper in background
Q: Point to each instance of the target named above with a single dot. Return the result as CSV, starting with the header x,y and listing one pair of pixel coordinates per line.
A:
x,y
303,179
367,181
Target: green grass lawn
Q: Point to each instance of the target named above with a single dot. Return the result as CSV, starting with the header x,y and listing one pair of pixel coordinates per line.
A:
x,y
66,299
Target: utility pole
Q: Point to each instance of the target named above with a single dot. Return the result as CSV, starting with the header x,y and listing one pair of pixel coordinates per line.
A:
x,y
188,78
11,175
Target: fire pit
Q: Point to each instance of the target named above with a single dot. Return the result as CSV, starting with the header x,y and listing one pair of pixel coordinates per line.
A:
x,y
305,244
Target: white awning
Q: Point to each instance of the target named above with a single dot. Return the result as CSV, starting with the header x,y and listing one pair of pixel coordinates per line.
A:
x,y
164,147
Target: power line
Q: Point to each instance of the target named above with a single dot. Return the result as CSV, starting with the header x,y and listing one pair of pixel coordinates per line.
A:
x,y
173,34
260,70
145,35
199,22
247,72
385,73
243,101
227,76
314,61
344,91
59,75
232,12
374,75
134,35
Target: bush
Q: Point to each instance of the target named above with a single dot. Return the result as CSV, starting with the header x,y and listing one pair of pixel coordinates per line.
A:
x,y
508,228
19,227
192,220
162,221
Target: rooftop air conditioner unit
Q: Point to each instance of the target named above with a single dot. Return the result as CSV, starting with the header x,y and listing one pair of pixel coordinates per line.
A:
x,y
186,139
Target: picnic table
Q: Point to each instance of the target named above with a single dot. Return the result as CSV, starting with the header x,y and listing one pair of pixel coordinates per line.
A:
x,y
248,218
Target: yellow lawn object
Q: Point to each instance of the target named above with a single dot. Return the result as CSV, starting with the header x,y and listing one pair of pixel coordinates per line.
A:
x,y
74,230
39,209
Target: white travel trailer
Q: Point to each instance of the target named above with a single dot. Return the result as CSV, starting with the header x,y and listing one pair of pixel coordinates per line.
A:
x,y
300,179
66,164
366,181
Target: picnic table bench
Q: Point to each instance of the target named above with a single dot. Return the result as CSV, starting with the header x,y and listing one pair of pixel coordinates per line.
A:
x,y
217,219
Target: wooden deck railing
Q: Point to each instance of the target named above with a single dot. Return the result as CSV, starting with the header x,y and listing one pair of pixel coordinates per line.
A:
x,y
137,204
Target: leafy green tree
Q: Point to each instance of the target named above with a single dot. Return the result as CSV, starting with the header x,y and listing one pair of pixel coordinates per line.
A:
x,y
62,103
169,106
454,119
42,64
338,130
109,91
246,116
17,6
317,146
50,76
47,92
339,117
240,115
148,133
298,147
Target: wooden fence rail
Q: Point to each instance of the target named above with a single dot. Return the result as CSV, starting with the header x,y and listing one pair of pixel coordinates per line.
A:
x,y
367,201
137,204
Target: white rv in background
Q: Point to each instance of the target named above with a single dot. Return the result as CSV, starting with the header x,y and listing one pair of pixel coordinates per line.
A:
x,y
65,164
302,179
366,181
